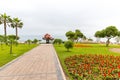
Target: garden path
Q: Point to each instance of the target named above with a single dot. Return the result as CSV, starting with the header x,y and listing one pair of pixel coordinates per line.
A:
x,y
40,63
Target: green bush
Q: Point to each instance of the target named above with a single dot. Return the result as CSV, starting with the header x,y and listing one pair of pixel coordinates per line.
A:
x,y
57,41
68,45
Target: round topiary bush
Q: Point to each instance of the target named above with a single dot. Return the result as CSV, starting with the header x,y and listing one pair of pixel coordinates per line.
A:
x,y
68,45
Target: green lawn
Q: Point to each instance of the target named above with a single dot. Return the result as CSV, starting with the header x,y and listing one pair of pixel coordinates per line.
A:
x,y
5,55
94,49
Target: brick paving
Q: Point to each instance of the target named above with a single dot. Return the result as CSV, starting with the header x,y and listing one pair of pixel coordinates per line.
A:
x,y
40,63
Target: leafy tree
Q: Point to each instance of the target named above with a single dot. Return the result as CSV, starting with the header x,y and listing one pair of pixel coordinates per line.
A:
x,y
29,41
70,35
78,34
74,35
118,33
57,41
47,37
35,41
68,45
109,32
83,38
98,35
11,40
16,23
4,19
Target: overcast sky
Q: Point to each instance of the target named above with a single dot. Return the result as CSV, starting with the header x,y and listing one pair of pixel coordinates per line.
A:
x,y
59,16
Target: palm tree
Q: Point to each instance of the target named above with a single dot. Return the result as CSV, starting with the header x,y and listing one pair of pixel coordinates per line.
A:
x,y
16,23
4,19
11,40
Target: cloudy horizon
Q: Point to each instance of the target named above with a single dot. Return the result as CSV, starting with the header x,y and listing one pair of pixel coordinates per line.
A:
x,y
59,16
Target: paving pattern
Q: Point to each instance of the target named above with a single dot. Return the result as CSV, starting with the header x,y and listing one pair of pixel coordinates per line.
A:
x,y
38,64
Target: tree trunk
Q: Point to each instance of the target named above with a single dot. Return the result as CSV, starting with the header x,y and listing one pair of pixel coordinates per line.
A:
x,y
5,32
108,42
11,47
47,41
16,33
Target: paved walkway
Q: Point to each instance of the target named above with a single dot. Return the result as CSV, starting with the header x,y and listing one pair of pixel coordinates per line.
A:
x,y
41,63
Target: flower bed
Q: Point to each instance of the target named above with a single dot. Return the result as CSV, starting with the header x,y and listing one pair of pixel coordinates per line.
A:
x,y
81,45
93,67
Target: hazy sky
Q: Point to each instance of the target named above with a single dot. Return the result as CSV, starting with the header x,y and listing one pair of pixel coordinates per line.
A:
x,y
58,16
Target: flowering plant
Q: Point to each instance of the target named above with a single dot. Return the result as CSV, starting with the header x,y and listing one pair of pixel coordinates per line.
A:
x,y
93,67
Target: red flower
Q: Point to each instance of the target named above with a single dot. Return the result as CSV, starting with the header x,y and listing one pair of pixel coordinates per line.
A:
x,y
104,74
82,64
118,74
118,66
112,68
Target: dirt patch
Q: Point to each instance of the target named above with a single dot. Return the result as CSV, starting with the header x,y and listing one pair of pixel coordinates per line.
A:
x,y
117,50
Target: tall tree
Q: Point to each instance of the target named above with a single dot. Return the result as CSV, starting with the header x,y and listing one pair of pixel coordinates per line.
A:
x,y
74,35
70,35
109,32
98,35
16,23
11,40
4,19
28,41
35,41
78,34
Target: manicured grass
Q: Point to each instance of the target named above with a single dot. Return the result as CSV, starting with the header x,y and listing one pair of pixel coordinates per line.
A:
x,y
94,49
5,55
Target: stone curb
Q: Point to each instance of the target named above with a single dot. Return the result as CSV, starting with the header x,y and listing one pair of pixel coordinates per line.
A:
x,y
59,65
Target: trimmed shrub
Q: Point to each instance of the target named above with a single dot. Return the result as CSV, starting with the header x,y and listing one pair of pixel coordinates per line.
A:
x,y
68,45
